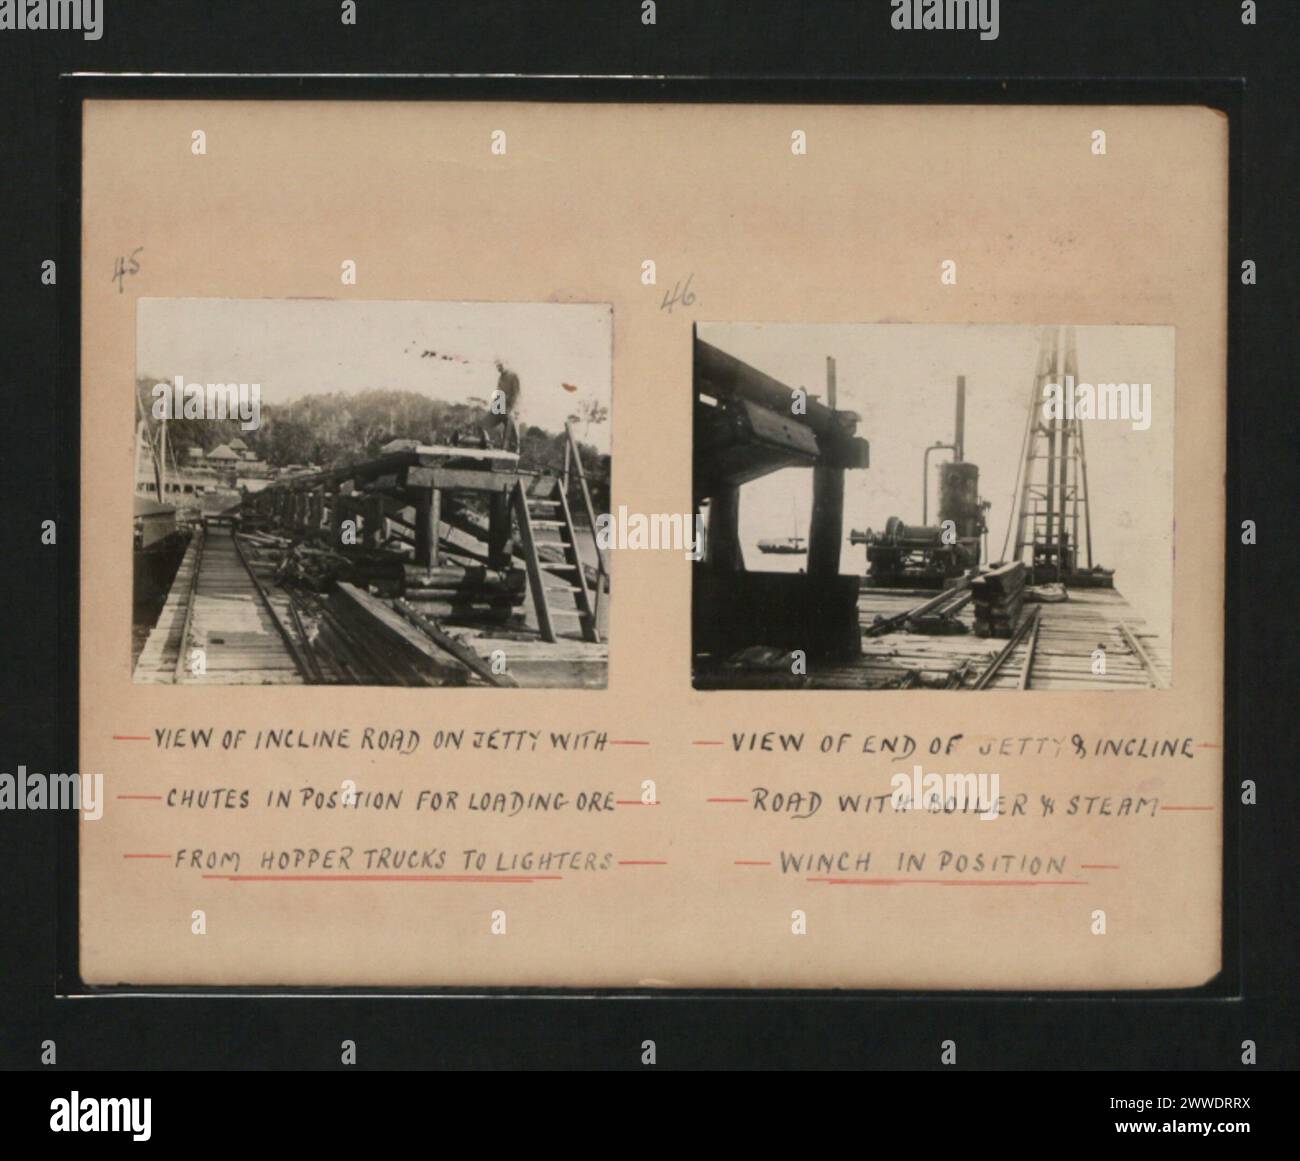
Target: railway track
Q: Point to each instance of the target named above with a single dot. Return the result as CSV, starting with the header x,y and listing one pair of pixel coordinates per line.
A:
x,y
325,647
1050,654
330,645
1001,660
231,632
228,621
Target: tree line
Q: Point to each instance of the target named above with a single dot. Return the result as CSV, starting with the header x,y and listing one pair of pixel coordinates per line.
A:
x,y
334,429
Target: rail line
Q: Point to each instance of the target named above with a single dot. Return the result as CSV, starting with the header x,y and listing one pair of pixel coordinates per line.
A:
x,y
1040,652
230,629
999,661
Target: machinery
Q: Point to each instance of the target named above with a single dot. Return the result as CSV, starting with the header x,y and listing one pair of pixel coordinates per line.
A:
x,y
930,555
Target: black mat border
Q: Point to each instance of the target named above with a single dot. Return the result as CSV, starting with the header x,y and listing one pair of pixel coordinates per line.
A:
x,y
709,1029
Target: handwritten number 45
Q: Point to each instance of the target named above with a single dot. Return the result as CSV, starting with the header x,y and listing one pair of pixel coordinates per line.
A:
x,y
682,294
123,267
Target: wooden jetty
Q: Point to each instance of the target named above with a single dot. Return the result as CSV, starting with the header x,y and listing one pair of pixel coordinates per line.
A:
x,y
1051,648
1050,622
428,565
216,625
1054,650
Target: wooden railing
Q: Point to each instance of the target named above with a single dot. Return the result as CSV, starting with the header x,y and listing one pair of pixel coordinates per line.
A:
x,y
573,467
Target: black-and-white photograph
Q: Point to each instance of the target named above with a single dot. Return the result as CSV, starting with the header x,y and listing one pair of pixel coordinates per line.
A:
x,y
371,493
896,506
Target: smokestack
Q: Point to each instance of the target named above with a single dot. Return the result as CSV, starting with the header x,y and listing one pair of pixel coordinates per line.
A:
x,y
959,432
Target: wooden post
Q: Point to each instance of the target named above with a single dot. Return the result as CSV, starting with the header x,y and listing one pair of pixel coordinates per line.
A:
x,y
722,543
535,580
373,515
826,531
428,503
500,548
336,520
435,519
590,511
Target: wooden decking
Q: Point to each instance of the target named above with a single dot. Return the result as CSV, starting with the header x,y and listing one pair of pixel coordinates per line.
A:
x,y
1059,655
536,664
158,659
227,622
1068,634
215,626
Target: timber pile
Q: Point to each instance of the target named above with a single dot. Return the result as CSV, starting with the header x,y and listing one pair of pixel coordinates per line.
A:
x,y
465,591
999,598
293,561
943,619
406,643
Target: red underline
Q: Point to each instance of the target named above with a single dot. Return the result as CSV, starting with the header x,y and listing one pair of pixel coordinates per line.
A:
x,y
643,862
382,878
948,882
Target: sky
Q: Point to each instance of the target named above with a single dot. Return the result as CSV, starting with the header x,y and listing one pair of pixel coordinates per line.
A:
x,y
901,379
298,347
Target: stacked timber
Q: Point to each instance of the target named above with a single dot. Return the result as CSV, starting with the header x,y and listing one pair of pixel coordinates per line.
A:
x,y
999,598
465,591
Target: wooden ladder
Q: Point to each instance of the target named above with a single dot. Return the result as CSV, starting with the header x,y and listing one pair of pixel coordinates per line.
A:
x,y
547,510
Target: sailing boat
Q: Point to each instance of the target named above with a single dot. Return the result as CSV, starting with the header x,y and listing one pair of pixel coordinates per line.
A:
x,y
158,541
788,545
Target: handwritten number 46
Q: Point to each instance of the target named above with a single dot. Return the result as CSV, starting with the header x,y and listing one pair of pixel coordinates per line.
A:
x,y
682,294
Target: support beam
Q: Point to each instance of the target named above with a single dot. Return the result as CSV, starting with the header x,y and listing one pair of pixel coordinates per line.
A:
x,y
722,544
535,577
500,545
462,652
826,531
426,527
372,508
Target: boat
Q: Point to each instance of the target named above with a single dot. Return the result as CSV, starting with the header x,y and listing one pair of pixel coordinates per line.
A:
x,y
789,545
786,545
159,539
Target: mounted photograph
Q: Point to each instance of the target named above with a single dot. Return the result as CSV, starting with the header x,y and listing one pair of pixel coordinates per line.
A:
x,y
898,506
370,493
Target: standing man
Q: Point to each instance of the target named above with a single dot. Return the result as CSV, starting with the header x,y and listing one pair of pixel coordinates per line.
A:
x,y
509,390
